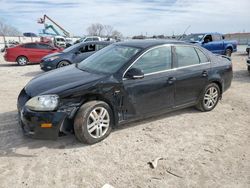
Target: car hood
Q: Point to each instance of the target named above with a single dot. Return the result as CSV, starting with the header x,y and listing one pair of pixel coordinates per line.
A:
x,y
54,54
59,80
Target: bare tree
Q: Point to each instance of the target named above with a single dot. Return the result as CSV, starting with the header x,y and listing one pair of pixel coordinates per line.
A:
x,y
116,34
108,30
103,30
96,29
8,30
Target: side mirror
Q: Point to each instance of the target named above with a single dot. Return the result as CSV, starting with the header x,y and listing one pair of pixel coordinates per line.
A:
x,y
134,73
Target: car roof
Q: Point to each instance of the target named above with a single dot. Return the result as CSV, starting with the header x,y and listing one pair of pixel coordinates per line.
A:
x,y
208,33
96,42
146,43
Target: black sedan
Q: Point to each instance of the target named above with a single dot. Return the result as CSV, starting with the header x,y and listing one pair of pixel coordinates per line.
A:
x,y
248,63
73,54
123,82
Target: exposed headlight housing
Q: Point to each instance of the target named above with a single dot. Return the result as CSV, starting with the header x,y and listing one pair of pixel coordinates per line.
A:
x,y
52,58
43,103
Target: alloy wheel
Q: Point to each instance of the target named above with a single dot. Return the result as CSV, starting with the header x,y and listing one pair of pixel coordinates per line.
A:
x,y
63,63
22,61
98,122
211,97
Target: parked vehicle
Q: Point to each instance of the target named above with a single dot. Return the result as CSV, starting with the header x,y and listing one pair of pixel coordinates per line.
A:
x,y
69,42
60,42
88,39
11,43
248,48
29,52
248,63
28,34
73,54
213,42
123,82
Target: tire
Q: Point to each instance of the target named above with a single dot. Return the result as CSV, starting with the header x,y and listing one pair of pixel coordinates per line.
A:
x,y
63,64
88,128
248,68
22,60
209,98
228,52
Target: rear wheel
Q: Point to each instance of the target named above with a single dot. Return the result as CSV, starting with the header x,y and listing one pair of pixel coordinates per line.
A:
x,y
209,98
63,64
93,122
22,60
228,52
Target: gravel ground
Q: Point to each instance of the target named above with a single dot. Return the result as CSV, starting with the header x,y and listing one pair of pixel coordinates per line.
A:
x,y
198,149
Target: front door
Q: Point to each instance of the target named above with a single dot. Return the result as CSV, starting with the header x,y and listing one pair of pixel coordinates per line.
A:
x,y
83,52
154,92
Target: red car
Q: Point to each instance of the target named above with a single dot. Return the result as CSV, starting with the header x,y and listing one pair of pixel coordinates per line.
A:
x,y
29,52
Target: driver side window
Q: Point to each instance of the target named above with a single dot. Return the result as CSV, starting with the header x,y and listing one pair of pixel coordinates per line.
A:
x,y
208,38
158,59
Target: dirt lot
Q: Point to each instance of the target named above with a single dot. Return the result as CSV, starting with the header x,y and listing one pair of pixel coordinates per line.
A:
x,y
205,149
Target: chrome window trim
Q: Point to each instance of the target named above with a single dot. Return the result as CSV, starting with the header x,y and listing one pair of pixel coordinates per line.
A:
x,y
155,47
172,69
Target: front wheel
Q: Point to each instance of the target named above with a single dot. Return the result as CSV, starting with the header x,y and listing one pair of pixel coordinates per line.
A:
x,y
63,64
93,122
209,98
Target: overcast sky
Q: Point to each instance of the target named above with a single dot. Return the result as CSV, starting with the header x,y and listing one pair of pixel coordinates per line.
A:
x,y
132,17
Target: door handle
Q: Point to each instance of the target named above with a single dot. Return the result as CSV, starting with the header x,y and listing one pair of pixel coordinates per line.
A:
x,y
204,73
171,80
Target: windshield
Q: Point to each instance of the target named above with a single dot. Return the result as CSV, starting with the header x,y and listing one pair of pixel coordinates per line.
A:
x,y
194,37
71,47
60,39
109,59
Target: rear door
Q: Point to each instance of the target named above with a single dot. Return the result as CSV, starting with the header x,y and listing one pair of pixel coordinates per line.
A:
x,y
30,51
192,70
214,43
43,50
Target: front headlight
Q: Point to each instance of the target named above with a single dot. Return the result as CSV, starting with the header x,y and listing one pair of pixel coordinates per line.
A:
x,y
52,58
43,103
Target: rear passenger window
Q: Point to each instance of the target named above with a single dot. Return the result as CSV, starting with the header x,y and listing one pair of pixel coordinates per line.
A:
x,y
155,60
203,57
186,56
44,46
30,45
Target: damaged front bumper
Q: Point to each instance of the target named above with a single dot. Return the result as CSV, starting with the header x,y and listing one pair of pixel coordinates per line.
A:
x,y
33,123
44,125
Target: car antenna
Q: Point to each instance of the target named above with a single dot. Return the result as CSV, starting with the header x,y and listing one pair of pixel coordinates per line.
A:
x,y
184,32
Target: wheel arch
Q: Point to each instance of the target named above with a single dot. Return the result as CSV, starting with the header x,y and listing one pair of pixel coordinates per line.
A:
x,y
22,56
99,97
219,83
229,47
63,60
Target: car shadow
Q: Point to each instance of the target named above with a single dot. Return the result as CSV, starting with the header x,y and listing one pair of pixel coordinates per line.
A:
x,y
241,54
12,137
32,74
241,76
13,64
8,65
